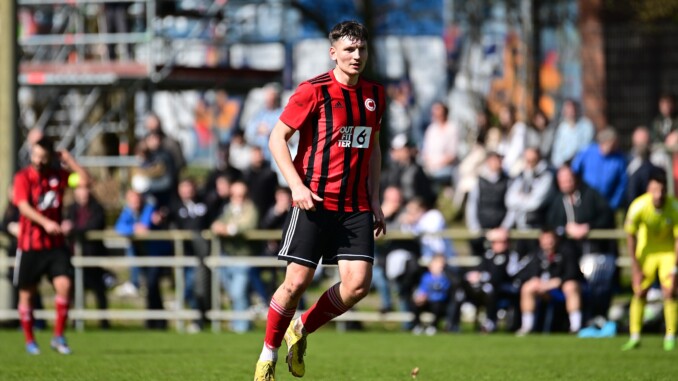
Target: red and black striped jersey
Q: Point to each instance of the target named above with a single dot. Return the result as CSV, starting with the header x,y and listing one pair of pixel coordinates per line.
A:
x,y
44,191
337,126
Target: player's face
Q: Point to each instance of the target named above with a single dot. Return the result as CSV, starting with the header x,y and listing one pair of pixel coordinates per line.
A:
x,y
350,55
39,157
658,192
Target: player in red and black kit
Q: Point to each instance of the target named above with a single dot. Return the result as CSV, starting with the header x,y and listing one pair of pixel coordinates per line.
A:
x,y
334,180
38,193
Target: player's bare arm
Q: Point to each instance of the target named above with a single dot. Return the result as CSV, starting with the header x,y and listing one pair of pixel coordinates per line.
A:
x,y
301,195
51,227
373,186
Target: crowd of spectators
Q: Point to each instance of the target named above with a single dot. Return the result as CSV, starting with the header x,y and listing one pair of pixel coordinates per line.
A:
x,y
562,192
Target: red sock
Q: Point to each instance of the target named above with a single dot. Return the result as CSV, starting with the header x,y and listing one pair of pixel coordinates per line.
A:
x,y
61,306
325,309
278,320
26,318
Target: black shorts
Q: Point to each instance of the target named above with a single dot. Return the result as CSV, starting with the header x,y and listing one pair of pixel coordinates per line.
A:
x,y
309,236
32,265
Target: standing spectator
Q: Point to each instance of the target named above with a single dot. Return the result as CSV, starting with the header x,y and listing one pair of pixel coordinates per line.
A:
x,y
238,216
240,153
603,168
38,194
260,126
432,295
86,214
576,210
641,165
261,180
155,174
117,22
168,143
274,218
514,137
226,113
553,274
217,200
541,134
33,136
399,114
422,219
667,121
439,150
496,278
189,212
485,207
137,218
404,172
573,133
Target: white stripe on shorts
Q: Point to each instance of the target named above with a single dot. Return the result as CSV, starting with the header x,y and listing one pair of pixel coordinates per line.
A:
x,y
17,263
290,232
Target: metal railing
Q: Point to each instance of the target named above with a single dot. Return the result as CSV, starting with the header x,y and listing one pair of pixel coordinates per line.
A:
x,y
214,262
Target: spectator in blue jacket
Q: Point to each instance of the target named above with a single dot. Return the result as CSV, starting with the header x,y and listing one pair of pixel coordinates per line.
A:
x,y
603,168
432,295
137,218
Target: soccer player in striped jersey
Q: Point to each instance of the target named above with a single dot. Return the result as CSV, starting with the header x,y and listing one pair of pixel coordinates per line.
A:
x,y
652,227
334,180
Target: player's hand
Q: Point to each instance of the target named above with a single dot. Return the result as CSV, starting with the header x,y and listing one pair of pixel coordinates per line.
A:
x,y
303,198
52,228
379,222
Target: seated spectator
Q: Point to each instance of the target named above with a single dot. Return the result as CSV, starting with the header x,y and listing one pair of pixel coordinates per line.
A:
x,y
261,124
392,206
238,216
222,168
261,180
541,134
422,219
485,207
240,153
603,168
189,212
83,215
399,113
432,295
513,139
496,278
226,113
527,196
575,211
439,150
404,172
573,133
553,274
137,218
666,121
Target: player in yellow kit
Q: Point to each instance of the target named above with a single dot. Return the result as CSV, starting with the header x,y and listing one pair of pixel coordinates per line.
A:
x,y
652,227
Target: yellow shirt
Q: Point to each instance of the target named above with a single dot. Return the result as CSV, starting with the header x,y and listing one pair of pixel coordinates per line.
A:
x,y
655,229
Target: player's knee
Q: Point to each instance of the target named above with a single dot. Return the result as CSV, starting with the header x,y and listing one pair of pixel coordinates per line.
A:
x,y
570,288
295,286
668,294
357,292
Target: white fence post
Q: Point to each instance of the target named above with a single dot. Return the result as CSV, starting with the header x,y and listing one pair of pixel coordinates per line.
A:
x,y
79,284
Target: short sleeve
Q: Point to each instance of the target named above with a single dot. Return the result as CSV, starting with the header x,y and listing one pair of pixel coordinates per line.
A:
x,y
633,215
21,188
301,106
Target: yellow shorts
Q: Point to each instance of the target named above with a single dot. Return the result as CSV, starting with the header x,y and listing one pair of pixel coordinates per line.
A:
x,y
659,263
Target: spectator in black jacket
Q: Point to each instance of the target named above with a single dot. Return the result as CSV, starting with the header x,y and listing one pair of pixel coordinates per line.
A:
x,y
640,165
554,273
86,214
261,180
498,276
404,172
485,207
189,212
217,199
574,212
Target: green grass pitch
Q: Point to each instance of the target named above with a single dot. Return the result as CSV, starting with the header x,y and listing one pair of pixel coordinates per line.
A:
x,y
388,356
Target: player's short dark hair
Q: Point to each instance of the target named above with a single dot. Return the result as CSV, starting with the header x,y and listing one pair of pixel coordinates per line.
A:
x,y
351,29
46,144
658,175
